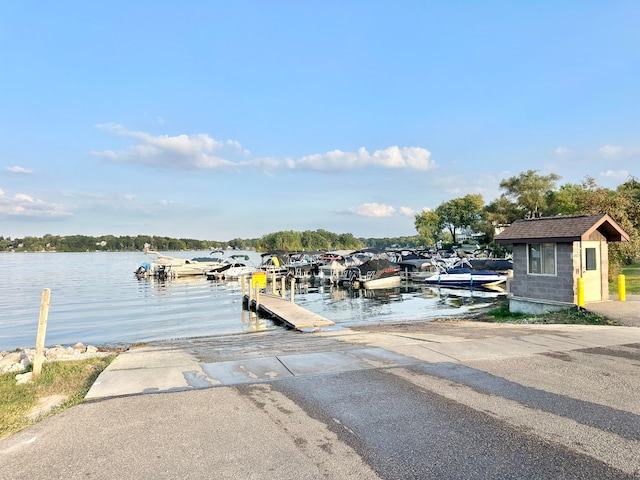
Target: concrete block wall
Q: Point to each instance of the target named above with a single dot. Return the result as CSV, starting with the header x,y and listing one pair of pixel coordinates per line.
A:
x,y
557,288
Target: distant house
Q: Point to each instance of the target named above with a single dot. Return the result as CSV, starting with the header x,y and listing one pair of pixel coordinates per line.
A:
x,y
551,253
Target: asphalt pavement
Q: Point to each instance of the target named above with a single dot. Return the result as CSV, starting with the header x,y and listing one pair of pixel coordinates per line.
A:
x,y
454,399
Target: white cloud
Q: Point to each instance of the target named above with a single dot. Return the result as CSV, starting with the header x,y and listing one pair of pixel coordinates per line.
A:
x,y
619,174
23,205
265,163
562,150
407,211
204,152
393,157
181,151
372,210
609,151
18,169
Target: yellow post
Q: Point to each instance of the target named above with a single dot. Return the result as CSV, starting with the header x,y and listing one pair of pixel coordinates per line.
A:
x,y
42,331
581,292
622,288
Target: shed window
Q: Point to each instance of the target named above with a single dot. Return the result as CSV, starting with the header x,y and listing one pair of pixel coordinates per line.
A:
x,y
541,258
590,256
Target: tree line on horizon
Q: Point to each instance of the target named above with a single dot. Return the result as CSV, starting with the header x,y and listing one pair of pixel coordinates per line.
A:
x,y
284,240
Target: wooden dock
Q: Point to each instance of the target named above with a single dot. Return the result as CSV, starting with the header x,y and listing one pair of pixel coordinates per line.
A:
x,y
287,312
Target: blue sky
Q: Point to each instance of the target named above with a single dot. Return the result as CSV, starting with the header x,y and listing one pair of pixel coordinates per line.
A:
x,y
218,120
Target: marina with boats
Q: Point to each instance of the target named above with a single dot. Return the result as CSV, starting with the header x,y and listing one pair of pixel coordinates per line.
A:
x,y
362,269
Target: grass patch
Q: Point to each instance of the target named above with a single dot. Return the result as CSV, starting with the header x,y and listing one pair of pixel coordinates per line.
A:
x,y
573,316
632,280
71,379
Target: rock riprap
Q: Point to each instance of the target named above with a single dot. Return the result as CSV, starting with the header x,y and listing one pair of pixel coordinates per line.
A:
x,y
22,358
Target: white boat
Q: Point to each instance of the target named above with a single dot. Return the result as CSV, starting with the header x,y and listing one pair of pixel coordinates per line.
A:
x,y
165,266
274,264
333,263
462,275
374,273
418,270
304,266
232,268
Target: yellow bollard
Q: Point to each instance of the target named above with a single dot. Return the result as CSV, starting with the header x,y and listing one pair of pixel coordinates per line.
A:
x,y
622,288
580,292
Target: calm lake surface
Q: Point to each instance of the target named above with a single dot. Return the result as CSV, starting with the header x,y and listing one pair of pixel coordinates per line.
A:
x,y
96,299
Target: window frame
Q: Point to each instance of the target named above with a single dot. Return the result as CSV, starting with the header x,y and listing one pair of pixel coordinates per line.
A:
x,y
590,261
543,248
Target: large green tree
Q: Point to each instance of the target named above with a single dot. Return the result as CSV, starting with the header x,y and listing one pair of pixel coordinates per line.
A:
x,y
502,211
460,213
530,191
429,226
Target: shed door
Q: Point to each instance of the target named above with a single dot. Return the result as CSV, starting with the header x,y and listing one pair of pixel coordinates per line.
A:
x,y
591,271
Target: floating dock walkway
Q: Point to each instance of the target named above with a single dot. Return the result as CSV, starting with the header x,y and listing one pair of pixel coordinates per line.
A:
x,y
286,311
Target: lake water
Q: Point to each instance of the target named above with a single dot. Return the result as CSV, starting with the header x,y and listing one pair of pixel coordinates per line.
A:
x,y
96,299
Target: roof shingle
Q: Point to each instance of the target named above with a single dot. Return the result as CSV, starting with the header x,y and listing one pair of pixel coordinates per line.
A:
x,y
562,229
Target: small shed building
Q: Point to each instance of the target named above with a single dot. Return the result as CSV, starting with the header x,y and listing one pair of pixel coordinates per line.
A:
x,y
551,253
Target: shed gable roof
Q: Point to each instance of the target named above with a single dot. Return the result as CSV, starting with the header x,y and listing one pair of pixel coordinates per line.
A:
x,y
562,229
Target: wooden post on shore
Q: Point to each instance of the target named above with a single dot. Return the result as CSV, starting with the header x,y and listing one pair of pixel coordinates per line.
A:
x,y
282,286
293,287
42,331
242,281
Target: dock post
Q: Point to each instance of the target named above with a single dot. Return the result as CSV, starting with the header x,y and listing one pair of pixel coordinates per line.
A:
x,y
293,288
282,286
42,331
257,296
273,283
250,294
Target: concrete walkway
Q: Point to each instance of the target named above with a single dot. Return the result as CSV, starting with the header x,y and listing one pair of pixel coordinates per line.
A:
x,y
208,362
625,313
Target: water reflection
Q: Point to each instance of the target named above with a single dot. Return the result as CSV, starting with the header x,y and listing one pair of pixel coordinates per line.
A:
x,y
115,306
252,322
